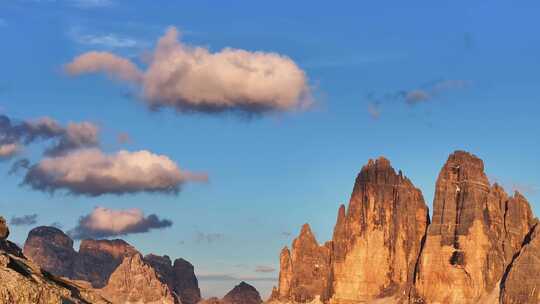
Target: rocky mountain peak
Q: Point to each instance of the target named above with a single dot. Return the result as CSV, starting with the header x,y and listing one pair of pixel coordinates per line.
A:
x,y
135,281
242,293
51,249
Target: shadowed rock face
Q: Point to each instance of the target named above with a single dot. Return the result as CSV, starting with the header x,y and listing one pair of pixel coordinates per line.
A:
x,y
180,277
242,293
476,231
51,249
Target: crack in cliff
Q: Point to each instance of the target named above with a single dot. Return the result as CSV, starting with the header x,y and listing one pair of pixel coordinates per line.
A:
x,y
526,240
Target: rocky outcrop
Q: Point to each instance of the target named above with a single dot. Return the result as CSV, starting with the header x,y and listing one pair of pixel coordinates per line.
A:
x,y
180,277
242,293
21,281
135,281
51,249
305,271
481,247
383,226
521,283
185,284
476,231
97,259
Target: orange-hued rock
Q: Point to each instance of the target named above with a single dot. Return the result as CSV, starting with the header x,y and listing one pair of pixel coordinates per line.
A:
x,y
475,231
374,248
305,271
377,240
521,284
134,281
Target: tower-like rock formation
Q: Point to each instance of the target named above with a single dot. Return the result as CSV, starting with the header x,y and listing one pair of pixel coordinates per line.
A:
x,y
305,271
476,230
377,240
374,248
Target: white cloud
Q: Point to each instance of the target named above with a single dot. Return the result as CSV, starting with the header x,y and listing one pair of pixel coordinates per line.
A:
x,y
91,172
190,78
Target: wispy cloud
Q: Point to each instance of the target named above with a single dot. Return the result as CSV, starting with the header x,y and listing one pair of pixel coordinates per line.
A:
x,y
264,269
231,277
201,237
104,40
414,96
25,220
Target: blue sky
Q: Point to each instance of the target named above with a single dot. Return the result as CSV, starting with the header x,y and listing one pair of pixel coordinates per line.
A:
x,y
270,173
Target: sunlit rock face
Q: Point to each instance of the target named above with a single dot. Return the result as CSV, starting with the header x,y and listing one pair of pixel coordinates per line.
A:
x,y
135,281
374,248
377,240
305,270
476,231
521,284
482,246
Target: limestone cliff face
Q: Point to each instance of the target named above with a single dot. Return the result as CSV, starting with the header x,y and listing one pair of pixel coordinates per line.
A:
x,y
521,284
377,241
135,281
475,232
374,248
305,271
482,246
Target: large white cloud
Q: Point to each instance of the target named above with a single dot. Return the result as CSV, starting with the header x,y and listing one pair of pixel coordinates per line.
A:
x,y
104,222
190,78
91,172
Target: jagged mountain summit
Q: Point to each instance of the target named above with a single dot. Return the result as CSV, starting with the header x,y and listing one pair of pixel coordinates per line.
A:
x,y
114,268
482,245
